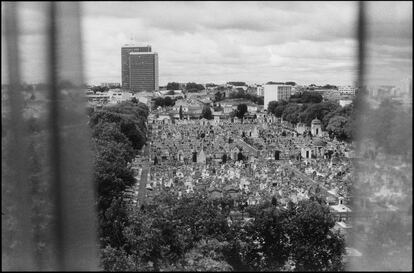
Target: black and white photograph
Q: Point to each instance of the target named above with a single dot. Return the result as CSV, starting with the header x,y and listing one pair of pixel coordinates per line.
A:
x,y
206,136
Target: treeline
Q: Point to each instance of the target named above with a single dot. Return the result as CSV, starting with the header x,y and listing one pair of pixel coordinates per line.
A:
x,y
237,83
195,233
164,101
244,95
286,83
190,86
118,132
194,87
99,88
335,119
306,97
241,94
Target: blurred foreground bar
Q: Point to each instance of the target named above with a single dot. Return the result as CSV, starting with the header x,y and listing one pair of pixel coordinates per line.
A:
x,y
48,200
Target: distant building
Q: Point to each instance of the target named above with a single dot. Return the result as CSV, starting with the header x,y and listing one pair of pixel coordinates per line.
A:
x,y
98,98
111,84
260,91
344,102
118,96
139,68
143,71
276,92
125,51
347,90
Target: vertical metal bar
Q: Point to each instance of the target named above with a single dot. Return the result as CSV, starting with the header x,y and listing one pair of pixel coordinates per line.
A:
x,y
361,46
21,255
358,115
55,153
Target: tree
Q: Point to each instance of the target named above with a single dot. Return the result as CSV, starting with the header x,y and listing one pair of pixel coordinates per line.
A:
x,y
194,87
224,158
134,100
270,229
168,101
313,245
306,97
337,127
218,96
291,113
206,113
277,107
170,93
99,89
112,176
164,102
272,106
328,86
317,110
237,83
181,112
241,110
173,86
274,201
116,131
205,256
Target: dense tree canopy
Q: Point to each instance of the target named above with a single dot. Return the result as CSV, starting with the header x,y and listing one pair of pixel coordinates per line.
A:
x,y
237,83
117,131
194,232
241,94
206,113
306,97
173,86
164,102
194,87
341,120
241,110
218,96
99,88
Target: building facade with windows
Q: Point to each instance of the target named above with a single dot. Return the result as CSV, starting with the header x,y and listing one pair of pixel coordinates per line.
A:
x,y
276,92
347,90
143,73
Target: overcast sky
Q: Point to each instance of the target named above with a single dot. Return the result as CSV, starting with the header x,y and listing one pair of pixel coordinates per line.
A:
x,y
306,42
256,42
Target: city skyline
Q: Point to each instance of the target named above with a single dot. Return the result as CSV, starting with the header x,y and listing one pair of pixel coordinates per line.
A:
x,y
255,43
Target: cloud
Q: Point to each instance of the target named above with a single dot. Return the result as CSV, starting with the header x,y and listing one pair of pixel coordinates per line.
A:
x,y
248,41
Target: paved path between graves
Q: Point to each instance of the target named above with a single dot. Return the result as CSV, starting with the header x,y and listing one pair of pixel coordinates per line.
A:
x,y
307,178
142,190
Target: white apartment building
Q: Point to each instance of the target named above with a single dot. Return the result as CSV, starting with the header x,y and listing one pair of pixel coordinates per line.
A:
x,y
345,102
347,90
276,92
260,91
118,96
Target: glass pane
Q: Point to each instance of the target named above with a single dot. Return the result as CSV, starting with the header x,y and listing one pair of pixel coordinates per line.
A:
x,y
47,160
382,224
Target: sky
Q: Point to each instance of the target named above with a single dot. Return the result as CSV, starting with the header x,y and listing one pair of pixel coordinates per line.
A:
x,y
255,42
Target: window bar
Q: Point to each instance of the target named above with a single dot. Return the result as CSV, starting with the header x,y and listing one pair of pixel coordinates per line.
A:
x,y
21,255
361,45
55,154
